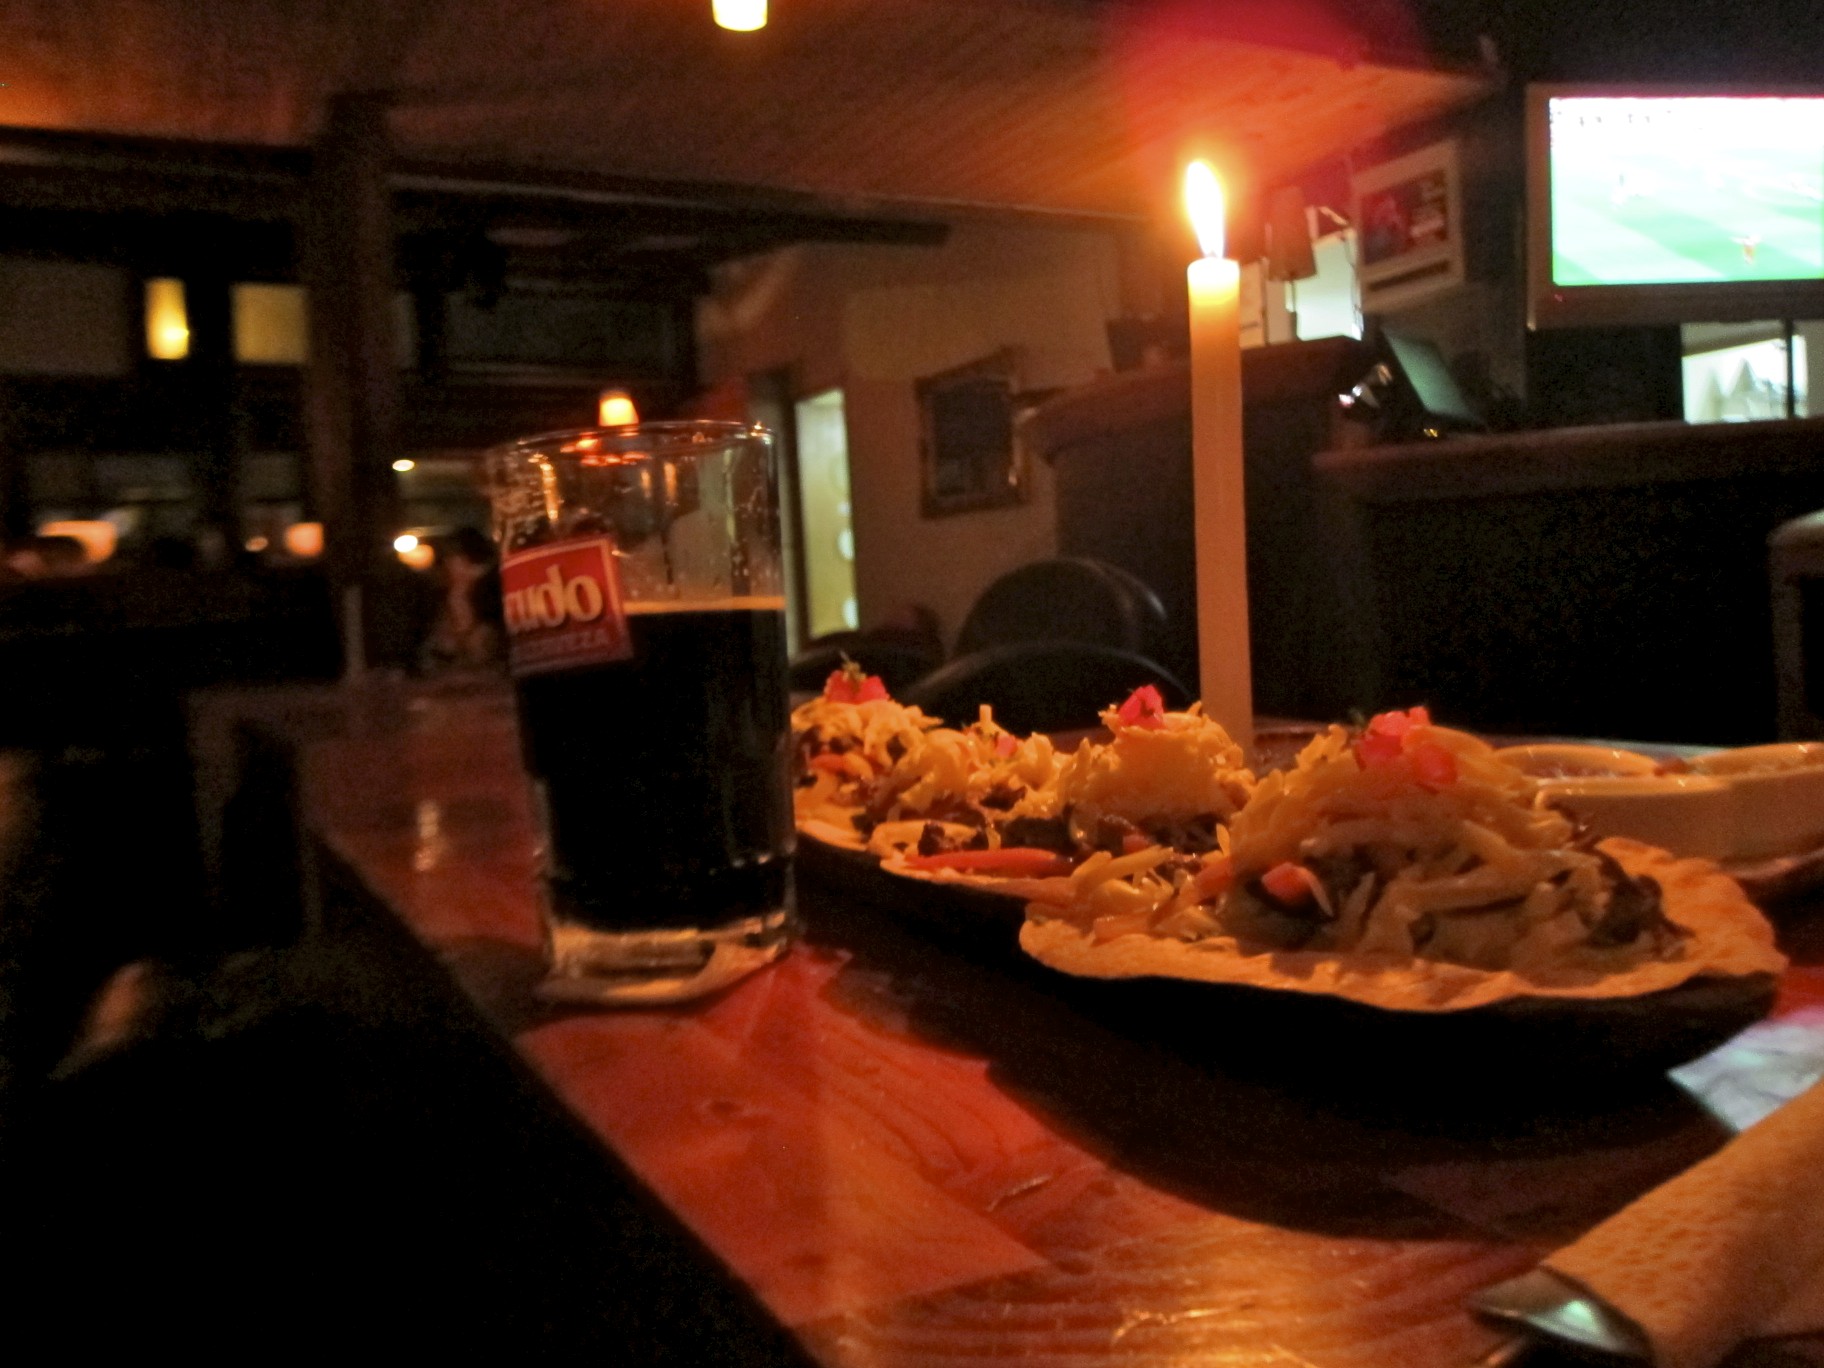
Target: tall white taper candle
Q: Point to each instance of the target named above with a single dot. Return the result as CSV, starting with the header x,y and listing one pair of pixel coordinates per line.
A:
x,y
1226,676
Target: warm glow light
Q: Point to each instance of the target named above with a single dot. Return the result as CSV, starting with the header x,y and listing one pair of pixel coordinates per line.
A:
x,y
257,544
743,16
404,542
420,555
97,536
304,540
1203,202
616,409
167,320
404,463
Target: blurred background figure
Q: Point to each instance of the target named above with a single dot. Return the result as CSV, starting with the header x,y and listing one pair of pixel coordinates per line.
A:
x,y
42,557
466,633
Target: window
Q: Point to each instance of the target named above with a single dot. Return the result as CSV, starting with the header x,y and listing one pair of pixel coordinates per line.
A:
x,y
269,325
64,318
1738,372
825,513
167,320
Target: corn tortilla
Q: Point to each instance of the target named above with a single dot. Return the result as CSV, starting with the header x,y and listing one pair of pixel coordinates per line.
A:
x,y
1728,938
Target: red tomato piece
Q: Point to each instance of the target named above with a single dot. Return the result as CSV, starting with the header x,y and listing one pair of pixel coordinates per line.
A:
x,y
1014,862
851,686
1145,707
1374,749
1433,766
1384,738
1005,745
1215,878
1289,884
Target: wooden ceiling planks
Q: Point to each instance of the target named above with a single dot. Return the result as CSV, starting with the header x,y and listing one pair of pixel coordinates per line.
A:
x,y
1058,106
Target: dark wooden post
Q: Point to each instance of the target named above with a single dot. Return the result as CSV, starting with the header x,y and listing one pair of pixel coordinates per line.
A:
x,y
214,392
15,509
351,381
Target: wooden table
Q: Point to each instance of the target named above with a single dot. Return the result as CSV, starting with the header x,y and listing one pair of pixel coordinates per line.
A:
x,y
916,1158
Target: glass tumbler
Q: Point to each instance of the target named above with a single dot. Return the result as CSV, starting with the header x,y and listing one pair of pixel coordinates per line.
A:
x,y
645,617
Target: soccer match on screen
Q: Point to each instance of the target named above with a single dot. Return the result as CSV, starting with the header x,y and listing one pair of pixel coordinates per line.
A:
x,y
1686,190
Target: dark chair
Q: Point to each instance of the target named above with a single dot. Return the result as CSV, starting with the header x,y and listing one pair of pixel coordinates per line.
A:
x,y
1041,685
1795,564
1065,599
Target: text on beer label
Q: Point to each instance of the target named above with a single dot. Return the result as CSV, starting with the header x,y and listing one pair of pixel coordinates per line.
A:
x,y
563,606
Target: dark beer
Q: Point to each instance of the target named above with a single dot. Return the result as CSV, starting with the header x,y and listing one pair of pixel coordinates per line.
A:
x,y
663,776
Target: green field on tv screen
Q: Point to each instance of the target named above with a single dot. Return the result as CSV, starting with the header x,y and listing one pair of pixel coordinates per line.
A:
x,y
1686,190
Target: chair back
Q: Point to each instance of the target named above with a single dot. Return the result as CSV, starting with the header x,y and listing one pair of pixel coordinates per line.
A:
x,y
1065,599
1795,567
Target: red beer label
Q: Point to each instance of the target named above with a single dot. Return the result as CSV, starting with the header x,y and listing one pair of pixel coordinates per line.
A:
x,y
563,606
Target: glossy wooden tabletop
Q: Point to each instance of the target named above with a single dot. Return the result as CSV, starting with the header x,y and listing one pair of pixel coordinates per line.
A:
x,y
916,1156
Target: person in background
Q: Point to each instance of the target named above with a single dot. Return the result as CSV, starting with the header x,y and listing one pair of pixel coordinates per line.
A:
x,y
467,633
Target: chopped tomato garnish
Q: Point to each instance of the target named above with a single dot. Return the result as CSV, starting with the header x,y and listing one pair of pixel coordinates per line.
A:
x,y
1005,745
1134,842
850,685
1145,707
1215,878
1289,884
1384,739
1433,766
1015,862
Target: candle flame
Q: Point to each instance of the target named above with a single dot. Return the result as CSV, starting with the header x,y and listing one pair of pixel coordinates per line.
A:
x,y
1203,202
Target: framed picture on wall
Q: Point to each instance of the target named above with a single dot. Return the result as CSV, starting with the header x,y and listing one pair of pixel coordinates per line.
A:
x,y
968,456
1409,227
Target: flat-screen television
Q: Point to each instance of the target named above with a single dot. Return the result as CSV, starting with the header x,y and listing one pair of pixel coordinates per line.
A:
x,y
1648,205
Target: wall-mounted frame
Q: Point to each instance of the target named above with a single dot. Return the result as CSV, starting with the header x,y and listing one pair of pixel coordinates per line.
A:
x,y
1409,227
969,458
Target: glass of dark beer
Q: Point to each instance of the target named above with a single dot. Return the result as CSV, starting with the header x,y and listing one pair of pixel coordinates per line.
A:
x,y
645,614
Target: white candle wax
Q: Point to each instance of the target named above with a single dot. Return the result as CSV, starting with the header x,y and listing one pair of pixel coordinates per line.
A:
x,y
1225,671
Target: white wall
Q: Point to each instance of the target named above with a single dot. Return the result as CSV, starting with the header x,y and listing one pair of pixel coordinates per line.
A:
x,y
874,320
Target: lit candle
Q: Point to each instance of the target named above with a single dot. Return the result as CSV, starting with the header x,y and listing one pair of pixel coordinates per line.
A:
x,y
1225,673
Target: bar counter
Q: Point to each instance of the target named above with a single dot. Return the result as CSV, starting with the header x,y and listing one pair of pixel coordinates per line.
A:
x,y
914,1155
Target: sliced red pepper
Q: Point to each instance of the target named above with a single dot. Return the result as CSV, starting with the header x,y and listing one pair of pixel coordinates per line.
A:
x,y
1433,766
1017,862
1215,878
1289,885
1145,707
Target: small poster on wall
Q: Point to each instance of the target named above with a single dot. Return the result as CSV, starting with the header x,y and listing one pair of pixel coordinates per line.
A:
x,y
968,452
1409,228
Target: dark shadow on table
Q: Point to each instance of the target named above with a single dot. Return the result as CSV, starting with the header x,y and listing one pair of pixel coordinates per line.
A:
x,y
1268,1106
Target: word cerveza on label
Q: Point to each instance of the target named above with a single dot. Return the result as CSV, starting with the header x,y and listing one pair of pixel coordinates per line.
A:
x,y
563,606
